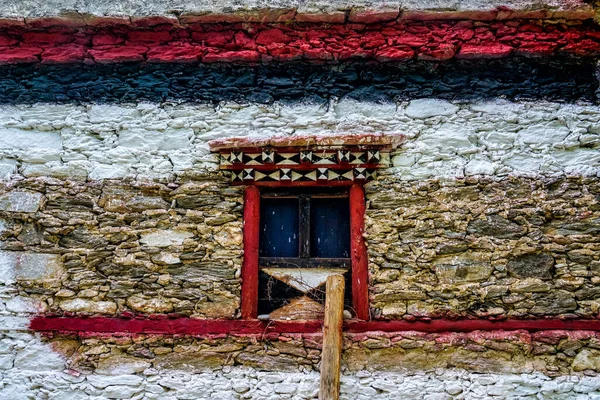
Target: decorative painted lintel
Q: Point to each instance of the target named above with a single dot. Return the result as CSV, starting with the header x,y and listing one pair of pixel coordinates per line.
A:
x,y
308,160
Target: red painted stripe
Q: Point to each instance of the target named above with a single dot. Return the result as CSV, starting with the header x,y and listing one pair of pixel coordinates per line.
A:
x,y
299,167
249,302
360,267
394,41
186,326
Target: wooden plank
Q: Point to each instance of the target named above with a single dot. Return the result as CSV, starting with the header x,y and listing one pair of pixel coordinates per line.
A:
x,y
358,250
279,226
249,301
331,356
312,192
300,167
284,262
330,226
324,183
304,216
167,325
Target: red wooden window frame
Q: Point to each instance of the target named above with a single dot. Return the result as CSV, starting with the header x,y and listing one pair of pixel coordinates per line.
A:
x,y
358,253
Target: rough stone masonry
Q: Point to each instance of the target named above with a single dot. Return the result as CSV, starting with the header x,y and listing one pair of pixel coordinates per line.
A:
x,y
113,207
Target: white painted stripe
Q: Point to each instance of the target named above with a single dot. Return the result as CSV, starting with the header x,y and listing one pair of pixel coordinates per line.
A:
x,y
31,9
160,141
34,364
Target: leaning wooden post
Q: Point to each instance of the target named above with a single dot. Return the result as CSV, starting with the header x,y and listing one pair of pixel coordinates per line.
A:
x,y
331,356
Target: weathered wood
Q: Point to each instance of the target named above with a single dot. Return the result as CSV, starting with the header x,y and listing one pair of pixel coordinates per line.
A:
x,y
358,250
157,324
292,184
305,228
331,356
249,301
302,308
327,192
284,262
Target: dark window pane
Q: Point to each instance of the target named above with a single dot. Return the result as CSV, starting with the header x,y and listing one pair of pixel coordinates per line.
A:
x,y
330,228
279,228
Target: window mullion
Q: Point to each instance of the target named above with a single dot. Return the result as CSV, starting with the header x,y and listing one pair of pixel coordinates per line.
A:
x,y
304,219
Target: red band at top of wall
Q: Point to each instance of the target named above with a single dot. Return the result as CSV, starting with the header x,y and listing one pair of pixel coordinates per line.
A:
x,y
396,40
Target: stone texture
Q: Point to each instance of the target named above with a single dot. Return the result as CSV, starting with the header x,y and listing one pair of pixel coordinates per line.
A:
x,y
573,81
587,359
511,262
427,108
142,304
497,226
165,238
164,8
121,365
86,306
122,360
482,247
37,357
21,201
240,382
27,266
533,265
134,253
466,267
192,38
443,146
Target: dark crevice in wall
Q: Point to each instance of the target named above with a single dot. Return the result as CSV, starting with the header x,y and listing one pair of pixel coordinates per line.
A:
x,y
556,79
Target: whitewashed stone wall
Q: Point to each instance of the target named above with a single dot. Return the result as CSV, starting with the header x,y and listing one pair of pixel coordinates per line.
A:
x,y
29,369
29,8
32,369
165,141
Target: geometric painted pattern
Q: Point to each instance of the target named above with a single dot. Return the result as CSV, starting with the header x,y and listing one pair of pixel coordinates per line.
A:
x,y
287,175
303,166
274,158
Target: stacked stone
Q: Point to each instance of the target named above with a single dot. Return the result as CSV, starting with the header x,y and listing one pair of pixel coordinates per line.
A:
x,y
114,249
554,353
516,248
489,210
169,144
384,38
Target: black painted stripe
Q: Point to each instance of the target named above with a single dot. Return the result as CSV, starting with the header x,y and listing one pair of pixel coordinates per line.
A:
x,y
550,79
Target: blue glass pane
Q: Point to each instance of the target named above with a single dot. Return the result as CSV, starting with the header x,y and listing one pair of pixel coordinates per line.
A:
x,y
330,228
279,228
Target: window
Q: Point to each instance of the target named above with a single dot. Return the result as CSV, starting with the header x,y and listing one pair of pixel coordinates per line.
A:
x,y
304,237
308,192
302,225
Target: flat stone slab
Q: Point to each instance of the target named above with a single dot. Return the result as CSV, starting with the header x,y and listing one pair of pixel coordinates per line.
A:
x,y
21,201
27,266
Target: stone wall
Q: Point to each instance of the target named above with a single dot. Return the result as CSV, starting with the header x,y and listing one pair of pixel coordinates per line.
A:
x,y
96,232
31,368
484,248
168,142
256,8
480,247
113,247
562,79
111,204
358,36
553,353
